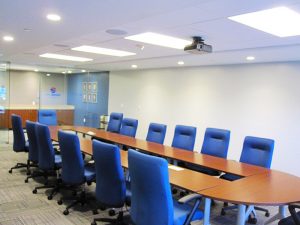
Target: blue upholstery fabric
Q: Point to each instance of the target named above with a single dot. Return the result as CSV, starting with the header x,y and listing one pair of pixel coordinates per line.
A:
x,y
115,121
19,144
32,138
184,137
181,211
73,170
110,181
47,117
47,158
257,151
156,133
151,201
129,127
216,142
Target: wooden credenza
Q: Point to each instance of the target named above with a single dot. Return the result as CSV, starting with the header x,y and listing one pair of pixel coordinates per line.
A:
x,y
64,116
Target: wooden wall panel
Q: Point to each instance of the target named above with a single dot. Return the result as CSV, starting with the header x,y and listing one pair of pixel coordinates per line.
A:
x,y
65,117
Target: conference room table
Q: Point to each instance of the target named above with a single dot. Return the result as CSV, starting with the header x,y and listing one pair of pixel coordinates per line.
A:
x,y
259,186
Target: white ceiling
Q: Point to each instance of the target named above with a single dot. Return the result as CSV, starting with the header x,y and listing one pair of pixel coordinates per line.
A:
x,y
85,23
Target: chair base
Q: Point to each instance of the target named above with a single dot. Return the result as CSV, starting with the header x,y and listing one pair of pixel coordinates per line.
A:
x,y
117,221
18,166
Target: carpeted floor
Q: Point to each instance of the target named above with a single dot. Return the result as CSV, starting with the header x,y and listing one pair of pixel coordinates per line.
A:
x,y
18,206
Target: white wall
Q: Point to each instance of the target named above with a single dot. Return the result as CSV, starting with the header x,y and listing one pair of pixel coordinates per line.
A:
x,y
25,88
252,99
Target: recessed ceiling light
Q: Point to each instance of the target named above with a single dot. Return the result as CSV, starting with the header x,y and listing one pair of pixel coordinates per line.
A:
x,y
53,17
64,72
36,70
48,74
180,63
280,21
65,57
250,58
8,38
159,39
69,71
83,71
103,51
134,66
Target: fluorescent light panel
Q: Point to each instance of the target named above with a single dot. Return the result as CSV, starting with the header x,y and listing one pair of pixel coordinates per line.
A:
x,y
159,39
65,57
102,51
280,21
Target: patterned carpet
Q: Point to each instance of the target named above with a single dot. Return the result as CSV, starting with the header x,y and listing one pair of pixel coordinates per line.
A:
x,y
18,206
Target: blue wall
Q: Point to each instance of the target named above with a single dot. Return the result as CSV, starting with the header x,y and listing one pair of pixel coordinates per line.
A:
x,y
91,112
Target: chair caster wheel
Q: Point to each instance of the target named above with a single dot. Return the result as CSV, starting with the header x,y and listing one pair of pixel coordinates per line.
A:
x,y
49,197
26,181
93,223
95,212
59,202
66,212
252,220
267,214
223,213
34,191
111,212
10,171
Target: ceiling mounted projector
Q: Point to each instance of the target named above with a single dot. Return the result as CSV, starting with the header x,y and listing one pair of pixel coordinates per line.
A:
x,y
198,46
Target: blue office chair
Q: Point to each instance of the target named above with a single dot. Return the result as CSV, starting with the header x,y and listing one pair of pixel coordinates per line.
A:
x,y
115,121
19,143
47,117
184,137
256,151
215,143
73,173
129,127
294,218
49,162
33,154
156,133
110,180
151,201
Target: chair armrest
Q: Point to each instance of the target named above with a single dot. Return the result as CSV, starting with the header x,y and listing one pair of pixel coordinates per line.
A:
x,y
186,199
294,214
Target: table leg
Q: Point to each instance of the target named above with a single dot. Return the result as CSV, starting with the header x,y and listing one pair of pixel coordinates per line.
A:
x,y
175,162
280,215
241,218
207,211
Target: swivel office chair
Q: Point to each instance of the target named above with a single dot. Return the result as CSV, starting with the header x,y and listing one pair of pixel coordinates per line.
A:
x,y
184,137
294,218
115,121
256,151
19,143
151,201
47,117
129,127
156,133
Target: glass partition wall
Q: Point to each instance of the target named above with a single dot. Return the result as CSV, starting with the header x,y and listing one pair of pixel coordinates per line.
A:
x,y
4,102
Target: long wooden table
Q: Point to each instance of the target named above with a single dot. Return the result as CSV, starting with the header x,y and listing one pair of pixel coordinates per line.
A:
x,y
259,186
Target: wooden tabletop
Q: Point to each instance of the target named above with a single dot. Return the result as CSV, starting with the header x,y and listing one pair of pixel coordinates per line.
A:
x,y
224,165
272,188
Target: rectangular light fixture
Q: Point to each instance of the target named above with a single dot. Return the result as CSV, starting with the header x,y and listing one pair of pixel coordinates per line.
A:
x,y
160,39
65,57
102,51
280,21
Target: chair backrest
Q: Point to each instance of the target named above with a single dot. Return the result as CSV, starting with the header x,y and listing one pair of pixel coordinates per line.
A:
x,y
46,151
184,137
151,201
18,133
110,181
257,151
33,154
72,162
216,142
156,133
115,121
47,117
129,127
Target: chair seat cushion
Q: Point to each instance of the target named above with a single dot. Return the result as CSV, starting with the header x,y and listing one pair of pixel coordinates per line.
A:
x,y
288,220
182,210
230,177
89,173
57,161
